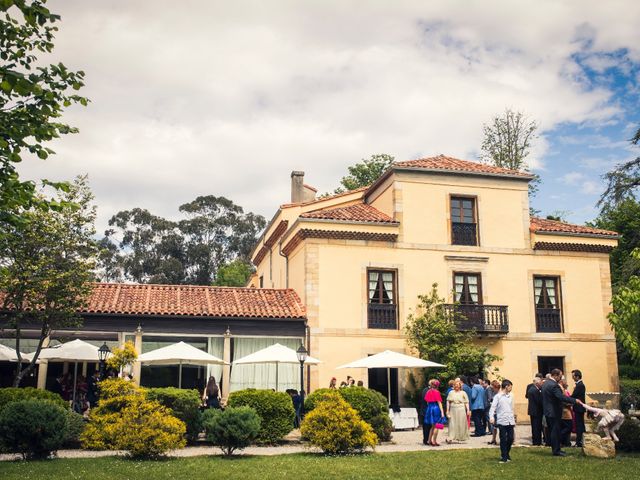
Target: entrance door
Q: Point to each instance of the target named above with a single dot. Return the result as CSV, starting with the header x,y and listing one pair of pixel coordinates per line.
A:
x,y
546,364
378,382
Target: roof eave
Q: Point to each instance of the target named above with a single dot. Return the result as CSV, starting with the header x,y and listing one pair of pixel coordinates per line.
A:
x,y
445,171
350,222
574,234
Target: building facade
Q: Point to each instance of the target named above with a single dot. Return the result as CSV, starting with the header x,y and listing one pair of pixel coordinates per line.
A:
x,y
536,291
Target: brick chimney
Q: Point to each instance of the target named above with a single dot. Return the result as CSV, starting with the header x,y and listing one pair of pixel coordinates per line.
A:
x,y
297,187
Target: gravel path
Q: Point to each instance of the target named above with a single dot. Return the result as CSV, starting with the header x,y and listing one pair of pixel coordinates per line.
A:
x,y
402,441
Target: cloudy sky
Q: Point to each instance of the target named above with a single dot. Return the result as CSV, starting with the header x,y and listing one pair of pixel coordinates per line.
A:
x,y
226,98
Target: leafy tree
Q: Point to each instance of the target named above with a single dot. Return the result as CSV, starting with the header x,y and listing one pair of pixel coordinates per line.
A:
x,y
365,172
143,248
146,248
622,181
46,265
435,336
624,218
507,144
625,318
216,232
33,96
234,274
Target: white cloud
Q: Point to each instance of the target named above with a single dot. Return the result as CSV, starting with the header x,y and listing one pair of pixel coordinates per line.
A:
x,y
591,188
572,178
226,98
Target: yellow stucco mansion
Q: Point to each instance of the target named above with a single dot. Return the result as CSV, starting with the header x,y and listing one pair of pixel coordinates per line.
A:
x,y
536,291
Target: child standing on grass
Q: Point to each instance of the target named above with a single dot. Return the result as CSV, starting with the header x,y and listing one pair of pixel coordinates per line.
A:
x,y
501,414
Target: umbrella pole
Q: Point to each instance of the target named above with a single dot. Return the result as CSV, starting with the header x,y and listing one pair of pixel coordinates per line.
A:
x,y
277,376
389,385
75,381
180,375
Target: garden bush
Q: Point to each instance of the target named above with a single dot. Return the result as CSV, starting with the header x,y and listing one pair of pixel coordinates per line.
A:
x,y
75,427
147,429
370,405
34,428
629,371
231,429
185,405
629,394
275,410
117,387
16,394
335,427
629,435
372,408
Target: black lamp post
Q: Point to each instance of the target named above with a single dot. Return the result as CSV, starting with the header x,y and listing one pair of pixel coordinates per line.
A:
x,y
302,357
103,353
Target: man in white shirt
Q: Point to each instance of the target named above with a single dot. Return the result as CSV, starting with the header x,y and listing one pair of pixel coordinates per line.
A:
x,y
502,414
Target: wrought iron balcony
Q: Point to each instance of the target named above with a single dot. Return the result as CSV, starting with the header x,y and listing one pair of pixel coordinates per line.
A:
x,y
548,320
464,234
481,318
383,315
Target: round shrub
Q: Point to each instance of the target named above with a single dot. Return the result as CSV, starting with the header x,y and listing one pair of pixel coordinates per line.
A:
x,y
75,424
147,429
33,428
629,434
370,405
13,394
335,427
116,387
275,410
372,408
231,429
185,405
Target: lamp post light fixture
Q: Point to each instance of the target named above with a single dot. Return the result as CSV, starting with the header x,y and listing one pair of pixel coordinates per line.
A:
x,y
302,357
103,352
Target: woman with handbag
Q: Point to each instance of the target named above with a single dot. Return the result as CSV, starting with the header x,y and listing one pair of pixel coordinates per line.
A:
x,y
434,414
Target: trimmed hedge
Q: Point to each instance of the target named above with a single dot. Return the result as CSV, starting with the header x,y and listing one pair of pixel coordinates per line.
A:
x,y
13,394
370,405
185,405
231,429
335,427
629,394
34,428
275,410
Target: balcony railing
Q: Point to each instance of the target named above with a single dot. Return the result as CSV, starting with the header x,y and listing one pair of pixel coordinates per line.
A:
x,y
464,234
383,315
481,318
548,320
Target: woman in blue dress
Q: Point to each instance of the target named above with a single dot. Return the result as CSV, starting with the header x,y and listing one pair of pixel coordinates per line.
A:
x,y
434,415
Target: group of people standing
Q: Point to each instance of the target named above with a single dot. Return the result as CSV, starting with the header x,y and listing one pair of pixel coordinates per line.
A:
x,y
555,412
350,382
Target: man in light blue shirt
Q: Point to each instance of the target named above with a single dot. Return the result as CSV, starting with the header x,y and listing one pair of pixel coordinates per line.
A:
x,y
502,414
476,404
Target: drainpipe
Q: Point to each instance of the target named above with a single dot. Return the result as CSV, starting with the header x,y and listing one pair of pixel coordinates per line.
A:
x,y
308,341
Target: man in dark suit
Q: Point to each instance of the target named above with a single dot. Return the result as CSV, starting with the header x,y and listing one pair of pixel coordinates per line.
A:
x,y
579,393
534,396
552,400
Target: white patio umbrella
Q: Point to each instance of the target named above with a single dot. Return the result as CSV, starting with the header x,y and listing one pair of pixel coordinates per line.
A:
x,y
179,354
73,351
7,354
275,354
389,360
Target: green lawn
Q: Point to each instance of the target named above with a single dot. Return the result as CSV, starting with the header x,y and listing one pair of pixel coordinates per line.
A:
x,y
460,464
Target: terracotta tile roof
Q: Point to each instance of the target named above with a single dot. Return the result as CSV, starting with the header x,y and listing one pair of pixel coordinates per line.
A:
x,y
449,164
553,226
305,233
353,213
573,247
189,300
330,197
